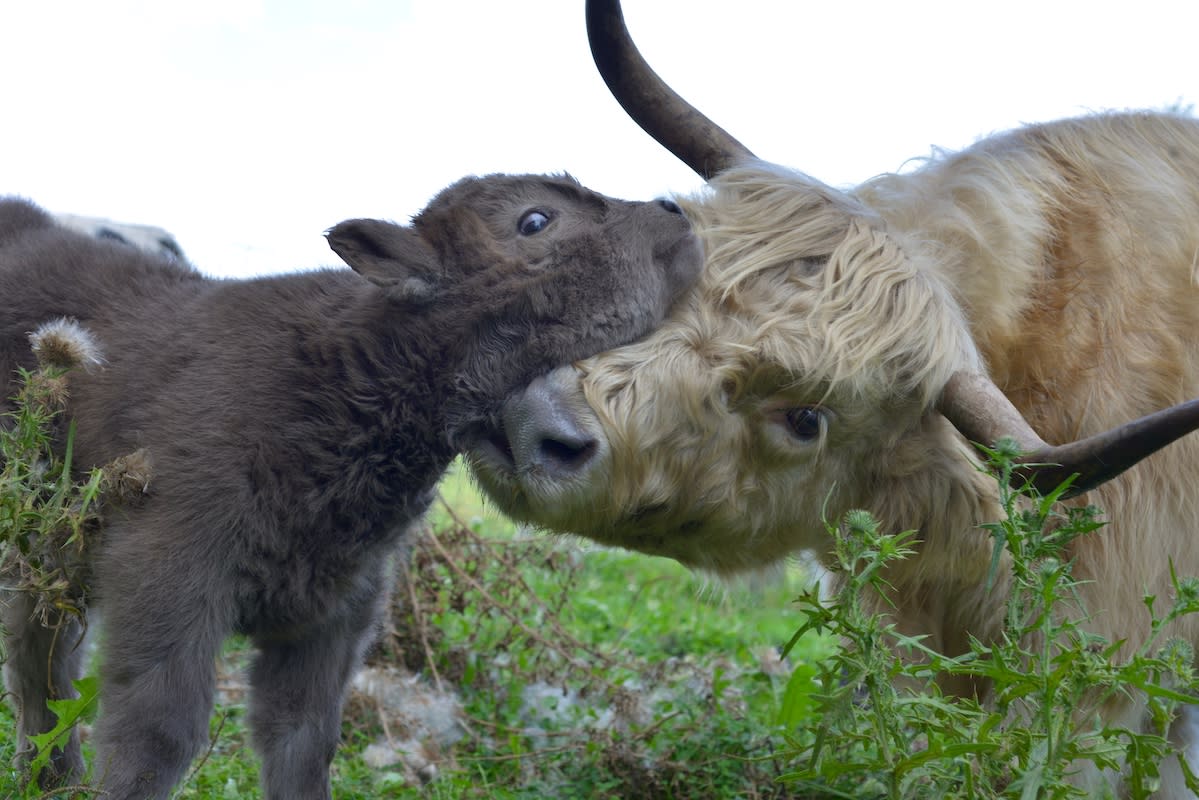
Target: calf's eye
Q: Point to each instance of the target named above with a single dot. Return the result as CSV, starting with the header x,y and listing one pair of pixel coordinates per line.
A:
x,y
805,422
532,222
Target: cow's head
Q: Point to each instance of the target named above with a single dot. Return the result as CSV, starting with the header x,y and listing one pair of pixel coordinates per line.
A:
x,y
812,345
821,364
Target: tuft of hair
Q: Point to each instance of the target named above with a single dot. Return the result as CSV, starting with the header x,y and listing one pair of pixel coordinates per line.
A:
x,y
65,344
821,269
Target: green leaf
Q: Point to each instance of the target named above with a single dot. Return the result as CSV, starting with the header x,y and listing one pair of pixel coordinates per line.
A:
x,y
797,704
69,712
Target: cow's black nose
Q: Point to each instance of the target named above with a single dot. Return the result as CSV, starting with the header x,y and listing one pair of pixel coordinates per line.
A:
x,y
544,434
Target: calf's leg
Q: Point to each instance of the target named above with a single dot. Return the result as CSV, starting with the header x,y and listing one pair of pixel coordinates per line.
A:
x,y
297,691
158,683
42,662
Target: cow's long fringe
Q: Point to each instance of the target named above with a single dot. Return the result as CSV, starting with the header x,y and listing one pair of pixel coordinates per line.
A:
x,y
875,319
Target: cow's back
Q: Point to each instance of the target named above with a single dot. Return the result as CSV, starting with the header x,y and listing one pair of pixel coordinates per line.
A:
x,y
1073,248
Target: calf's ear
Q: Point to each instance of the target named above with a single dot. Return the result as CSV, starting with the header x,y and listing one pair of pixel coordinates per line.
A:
x,y
391,256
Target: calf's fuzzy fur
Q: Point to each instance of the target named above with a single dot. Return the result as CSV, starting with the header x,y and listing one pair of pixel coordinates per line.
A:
x,y
296,426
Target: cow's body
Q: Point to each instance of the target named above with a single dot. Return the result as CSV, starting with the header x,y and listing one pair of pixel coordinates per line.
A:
x,y
815,367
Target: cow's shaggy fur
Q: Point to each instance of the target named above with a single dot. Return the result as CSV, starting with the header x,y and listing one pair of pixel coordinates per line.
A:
x,y
296,425
1060,258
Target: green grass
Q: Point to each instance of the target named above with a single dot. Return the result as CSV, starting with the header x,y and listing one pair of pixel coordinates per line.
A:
x,y
693,657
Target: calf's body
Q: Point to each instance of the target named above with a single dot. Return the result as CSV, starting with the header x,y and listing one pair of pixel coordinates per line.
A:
x,y
295,427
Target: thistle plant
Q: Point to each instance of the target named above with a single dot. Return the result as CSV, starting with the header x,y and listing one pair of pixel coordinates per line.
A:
x,y
882,728
47,516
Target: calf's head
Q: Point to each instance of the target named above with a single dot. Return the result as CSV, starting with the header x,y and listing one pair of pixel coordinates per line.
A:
x,y
516,275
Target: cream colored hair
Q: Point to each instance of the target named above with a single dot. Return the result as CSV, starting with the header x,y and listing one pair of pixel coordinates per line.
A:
x,y
1060,259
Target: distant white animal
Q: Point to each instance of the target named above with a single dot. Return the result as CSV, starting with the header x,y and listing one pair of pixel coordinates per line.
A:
x,y
150,238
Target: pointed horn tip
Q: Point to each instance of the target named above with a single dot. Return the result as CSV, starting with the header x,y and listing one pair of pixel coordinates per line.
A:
x,y
1097,459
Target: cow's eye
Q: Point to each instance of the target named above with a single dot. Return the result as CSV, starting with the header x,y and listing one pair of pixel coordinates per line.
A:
x,y
532,222
806,422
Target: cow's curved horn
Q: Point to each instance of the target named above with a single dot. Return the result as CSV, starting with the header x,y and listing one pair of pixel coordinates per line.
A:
x,y
678,126
982,413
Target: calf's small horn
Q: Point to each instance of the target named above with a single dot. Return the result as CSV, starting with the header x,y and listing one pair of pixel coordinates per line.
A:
x,y
677,125
982,413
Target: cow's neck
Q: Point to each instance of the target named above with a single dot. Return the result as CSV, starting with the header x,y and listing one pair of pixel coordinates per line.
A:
x,y
943,589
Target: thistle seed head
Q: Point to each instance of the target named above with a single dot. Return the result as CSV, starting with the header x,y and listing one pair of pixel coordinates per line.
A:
x,y
65,344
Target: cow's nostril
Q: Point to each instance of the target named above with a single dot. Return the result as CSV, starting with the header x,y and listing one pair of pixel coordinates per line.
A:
x,y
548,435
669,205
563,456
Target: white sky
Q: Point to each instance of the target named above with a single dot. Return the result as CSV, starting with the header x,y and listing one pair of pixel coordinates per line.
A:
x,y
248,127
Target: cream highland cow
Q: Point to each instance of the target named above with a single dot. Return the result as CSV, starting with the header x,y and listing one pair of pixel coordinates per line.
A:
x,y
843,349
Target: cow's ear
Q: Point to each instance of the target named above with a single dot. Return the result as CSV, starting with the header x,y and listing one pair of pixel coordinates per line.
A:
x,y
392,256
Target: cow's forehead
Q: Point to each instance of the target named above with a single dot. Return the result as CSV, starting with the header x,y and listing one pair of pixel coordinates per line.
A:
x,y
800,292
